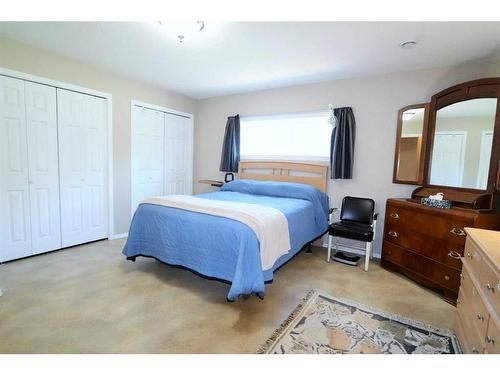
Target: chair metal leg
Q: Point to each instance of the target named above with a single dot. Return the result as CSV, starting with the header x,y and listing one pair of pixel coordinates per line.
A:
x,y
329,247
368,255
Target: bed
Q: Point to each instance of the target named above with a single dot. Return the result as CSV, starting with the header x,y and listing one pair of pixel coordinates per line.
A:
x,y
229,250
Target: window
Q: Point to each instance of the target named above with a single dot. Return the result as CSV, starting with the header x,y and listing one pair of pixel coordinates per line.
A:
x,y
290,137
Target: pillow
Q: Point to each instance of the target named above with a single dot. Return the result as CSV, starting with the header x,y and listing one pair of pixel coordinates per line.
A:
x,y
295,190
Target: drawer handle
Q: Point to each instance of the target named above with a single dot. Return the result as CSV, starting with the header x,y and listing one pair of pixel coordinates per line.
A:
x,y
470,256
392,234
480,317
475,350
454,254
490,340
394,215
489,287
457,232
446,277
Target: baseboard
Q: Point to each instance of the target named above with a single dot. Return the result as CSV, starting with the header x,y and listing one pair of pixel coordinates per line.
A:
x,y
118,236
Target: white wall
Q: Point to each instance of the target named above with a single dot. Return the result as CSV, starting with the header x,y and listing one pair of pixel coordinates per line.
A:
x,y
31,60
375,101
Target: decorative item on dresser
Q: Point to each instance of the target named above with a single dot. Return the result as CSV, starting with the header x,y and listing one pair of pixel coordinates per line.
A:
x,y
462,151
478,305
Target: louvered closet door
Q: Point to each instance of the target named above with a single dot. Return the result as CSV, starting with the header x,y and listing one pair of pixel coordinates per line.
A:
x,y
147,154
43,164
82,160
178,151
15,238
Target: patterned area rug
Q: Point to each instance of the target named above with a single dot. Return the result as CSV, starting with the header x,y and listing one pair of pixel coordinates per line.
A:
x,y
323,324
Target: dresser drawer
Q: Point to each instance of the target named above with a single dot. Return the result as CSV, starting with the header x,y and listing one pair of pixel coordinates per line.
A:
x,y
470,339
459,331
472,257
447,227
490,285
466,285
479,313
443,251
492,345
438,238
440,274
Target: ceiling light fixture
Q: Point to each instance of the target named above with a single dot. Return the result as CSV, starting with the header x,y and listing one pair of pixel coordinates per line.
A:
x,y
407,44
183,30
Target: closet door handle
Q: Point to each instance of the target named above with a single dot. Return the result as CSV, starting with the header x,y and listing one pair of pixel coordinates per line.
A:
x,y
457,232
394,215
454,254
392,234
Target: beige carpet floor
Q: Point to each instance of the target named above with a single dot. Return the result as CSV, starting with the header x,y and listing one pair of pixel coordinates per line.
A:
x,y
89,299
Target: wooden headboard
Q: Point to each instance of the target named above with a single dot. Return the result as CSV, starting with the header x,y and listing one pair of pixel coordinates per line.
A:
x,y
310,174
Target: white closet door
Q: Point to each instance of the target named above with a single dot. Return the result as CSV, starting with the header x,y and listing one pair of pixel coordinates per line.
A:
x,y
147,154
82,161
43,165
448,154
15,238
179,155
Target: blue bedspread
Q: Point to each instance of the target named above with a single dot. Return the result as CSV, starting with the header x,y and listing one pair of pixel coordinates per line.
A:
x,y
222,248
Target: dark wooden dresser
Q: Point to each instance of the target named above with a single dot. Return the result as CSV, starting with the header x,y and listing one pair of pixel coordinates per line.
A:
x,y
444,156
426,244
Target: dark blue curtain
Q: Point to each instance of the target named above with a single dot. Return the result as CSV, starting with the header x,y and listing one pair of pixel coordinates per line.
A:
x,y
231,146
342,144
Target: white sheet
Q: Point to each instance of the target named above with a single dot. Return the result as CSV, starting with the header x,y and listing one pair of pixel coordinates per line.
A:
x,y
269,224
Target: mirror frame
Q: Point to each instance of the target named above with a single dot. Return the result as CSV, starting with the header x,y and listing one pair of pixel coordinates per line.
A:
x,y
477,89
425,132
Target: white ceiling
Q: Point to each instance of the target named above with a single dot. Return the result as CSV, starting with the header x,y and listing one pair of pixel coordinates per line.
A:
x,y
228,58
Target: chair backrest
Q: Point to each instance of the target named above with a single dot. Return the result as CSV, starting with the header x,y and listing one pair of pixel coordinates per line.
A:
x,y
356,209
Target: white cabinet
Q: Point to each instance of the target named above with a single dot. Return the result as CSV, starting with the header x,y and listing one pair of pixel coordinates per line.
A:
x,y
82,156
53,168
162,154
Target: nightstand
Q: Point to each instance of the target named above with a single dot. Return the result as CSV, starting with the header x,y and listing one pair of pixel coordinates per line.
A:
x,y
211,182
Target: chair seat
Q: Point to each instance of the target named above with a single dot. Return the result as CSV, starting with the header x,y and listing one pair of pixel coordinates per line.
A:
x,y
351,230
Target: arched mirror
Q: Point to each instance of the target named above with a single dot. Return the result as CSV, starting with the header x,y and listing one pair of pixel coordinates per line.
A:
x,y
410,144
462,144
